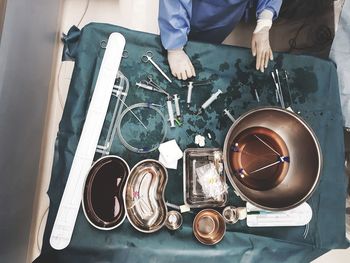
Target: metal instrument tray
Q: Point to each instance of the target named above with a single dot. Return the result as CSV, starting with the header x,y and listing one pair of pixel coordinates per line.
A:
x,y
193,194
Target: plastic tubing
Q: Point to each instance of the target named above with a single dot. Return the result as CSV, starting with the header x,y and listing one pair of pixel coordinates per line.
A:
x,y
125,143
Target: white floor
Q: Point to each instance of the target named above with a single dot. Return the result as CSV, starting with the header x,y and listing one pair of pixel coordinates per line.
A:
x,y
136,14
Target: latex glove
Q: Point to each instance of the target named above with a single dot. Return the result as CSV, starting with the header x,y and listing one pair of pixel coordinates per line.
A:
x,y
261,48
180,64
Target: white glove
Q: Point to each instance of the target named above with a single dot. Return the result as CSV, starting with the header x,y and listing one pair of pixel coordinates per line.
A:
x,y
260,40
180,64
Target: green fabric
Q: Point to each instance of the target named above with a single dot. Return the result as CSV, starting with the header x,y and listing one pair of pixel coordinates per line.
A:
x,y
315,94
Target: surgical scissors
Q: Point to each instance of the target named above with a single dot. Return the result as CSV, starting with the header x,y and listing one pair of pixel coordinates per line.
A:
x,y
148,58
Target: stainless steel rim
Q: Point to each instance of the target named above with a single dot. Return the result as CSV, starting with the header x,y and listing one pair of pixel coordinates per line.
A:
x,y
308,128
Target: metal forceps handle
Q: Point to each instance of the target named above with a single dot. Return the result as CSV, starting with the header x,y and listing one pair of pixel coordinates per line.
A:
x,y
148,58
103,44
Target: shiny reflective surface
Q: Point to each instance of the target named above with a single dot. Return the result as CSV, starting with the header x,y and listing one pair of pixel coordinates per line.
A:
x,y
103,201
144,200
173,220
230,214
257,152
288,185
209,227
193,193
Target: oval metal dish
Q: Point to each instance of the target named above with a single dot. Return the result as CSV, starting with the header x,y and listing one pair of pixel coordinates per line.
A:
x,y
103,196
144,200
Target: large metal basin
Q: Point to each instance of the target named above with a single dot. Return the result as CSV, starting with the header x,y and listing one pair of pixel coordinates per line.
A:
x,y
248,146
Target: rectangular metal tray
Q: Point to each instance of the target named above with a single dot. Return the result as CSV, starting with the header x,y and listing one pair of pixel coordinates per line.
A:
x,y
193,194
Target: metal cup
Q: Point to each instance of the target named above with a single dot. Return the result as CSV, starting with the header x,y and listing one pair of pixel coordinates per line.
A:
x,y
230,214
209,227
173,220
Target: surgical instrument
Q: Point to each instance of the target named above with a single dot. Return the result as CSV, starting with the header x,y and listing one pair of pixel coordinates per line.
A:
x,y
229,115
267,145
279,84
278,90
191,85
177,106
209,101
103,44
257,95
151,88
170,112
151,85
133,113
268,166
148,58
288,88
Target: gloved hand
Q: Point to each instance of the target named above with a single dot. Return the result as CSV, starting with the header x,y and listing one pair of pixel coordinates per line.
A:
x,y
261,48
180,64
260,40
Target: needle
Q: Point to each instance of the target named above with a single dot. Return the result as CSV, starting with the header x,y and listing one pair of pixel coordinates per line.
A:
x,y
265,167
272,149
132,113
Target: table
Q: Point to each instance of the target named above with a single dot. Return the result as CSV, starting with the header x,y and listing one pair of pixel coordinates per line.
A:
x,y
315,96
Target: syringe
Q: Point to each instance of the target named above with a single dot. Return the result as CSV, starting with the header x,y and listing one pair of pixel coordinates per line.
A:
x,y
190,87
151,88
177,105
209,101
229,115
171,112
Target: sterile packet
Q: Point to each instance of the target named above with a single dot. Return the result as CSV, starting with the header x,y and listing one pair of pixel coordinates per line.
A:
x,y
212,184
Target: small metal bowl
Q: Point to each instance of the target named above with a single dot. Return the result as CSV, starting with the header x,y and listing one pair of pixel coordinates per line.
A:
x,y
230,214
173,220
209,227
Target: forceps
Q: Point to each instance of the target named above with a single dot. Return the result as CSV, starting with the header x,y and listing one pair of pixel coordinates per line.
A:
x,y
148,58
103,44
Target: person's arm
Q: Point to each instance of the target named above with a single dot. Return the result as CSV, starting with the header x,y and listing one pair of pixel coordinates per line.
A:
x,y
273,6
266,12
174,24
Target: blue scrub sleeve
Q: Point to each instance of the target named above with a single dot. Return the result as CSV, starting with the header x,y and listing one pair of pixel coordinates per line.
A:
x,y
174,22
273,5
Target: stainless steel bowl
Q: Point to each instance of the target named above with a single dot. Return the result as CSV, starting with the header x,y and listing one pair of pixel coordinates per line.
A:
x,y
104,190
256,139
209,227
173,220
230,214
144,198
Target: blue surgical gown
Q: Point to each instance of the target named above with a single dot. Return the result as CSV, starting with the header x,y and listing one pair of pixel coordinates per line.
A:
x,y
205,20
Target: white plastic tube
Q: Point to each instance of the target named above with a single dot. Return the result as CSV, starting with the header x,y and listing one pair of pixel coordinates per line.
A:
x,y
171,113
212,98
189,92
229,115
177,105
